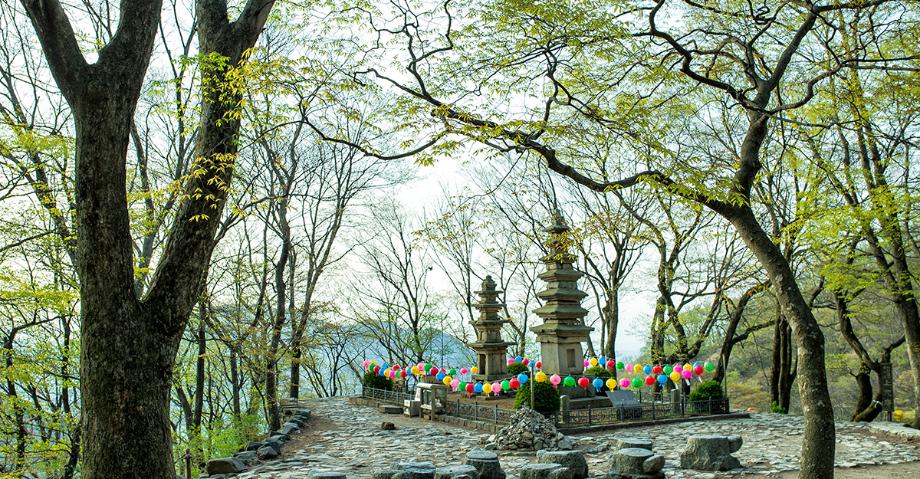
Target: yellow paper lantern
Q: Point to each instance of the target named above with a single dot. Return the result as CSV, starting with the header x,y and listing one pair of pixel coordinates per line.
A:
x,y
386,372
446,380
474,370
541,377
487,388
593,361
688,367
637,368
611,384
675,376
415,371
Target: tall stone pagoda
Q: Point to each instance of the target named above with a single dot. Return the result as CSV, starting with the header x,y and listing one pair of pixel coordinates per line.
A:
x,y
491,349
563,329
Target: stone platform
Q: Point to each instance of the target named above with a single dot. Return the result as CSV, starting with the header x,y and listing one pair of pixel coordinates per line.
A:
x,y
349,439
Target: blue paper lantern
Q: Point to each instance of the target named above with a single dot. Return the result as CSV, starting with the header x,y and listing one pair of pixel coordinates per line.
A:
x,y
522,378
662,379
440,376
647,369
519,359
477,388
598,384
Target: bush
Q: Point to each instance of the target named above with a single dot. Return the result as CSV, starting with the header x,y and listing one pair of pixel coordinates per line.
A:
x,y
375,381
598,371
518,368
776,408
707,390
545,396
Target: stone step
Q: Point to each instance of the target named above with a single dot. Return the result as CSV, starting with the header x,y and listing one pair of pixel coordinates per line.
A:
x,y
390,409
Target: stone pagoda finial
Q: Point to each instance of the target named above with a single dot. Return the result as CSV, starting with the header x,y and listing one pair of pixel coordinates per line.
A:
x,y
563,330
490,348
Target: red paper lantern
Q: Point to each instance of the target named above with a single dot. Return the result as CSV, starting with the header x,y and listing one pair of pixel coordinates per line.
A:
x,y
540,364
611,364
649,380
583,382
698,370
515,384
434,371
526,361
656,369
376,369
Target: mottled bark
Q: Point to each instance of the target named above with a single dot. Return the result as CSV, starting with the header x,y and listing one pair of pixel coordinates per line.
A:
x,y
129,343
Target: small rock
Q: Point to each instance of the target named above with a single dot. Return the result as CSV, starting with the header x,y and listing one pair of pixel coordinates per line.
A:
x,y
266,453
388,426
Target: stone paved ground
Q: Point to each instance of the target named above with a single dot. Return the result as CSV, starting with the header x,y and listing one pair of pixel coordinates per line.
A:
x,y
349,439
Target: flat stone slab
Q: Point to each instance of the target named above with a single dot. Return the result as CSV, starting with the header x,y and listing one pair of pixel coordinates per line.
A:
x,y
636,463
390,409
324,474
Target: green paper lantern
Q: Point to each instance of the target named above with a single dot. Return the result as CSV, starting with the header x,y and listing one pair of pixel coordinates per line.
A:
x,y
709,366
620,365
569,382
668,369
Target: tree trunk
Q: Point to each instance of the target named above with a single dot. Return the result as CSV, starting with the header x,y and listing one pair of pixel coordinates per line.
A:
x,y
295,372
817,456
612,311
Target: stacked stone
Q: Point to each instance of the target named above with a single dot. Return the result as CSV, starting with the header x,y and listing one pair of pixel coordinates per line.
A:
x,y
259,450
529,431
636,463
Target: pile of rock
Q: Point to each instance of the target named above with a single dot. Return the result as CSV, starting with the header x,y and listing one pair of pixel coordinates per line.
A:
x,y
255,451
529,431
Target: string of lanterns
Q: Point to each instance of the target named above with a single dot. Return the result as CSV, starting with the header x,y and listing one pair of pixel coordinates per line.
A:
x,y
449,377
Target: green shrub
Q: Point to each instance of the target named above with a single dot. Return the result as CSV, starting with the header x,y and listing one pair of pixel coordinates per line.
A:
x,y
373,380
545,396
776,408
518,368
707,390
598,371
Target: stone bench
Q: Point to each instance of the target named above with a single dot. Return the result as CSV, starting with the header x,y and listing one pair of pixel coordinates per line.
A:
x,y
711,453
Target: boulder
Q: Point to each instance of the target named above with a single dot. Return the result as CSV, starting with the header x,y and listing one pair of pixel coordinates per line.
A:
x,y
247,457
415,470
544,471
460,471
225,465
636,442
275,443
254,445
711,453
486,464
387,426
636,463
289,428
572,460
266,453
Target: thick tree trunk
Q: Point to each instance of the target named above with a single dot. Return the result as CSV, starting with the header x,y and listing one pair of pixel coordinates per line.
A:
x,y
817,456
612,312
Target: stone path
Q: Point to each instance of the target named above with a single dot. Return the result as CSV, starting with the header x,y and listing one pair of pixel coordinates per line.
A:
x,y
349,439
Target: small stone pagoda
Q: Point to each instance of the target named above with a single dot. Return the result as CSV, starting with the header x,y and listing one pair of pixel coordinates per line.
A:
x,y
563,329
490,348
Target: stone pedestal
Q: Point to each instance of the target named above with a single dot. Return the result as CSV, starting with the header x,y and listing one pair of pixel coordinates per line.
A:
x,y
491,350
634,463
711,453
563,329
